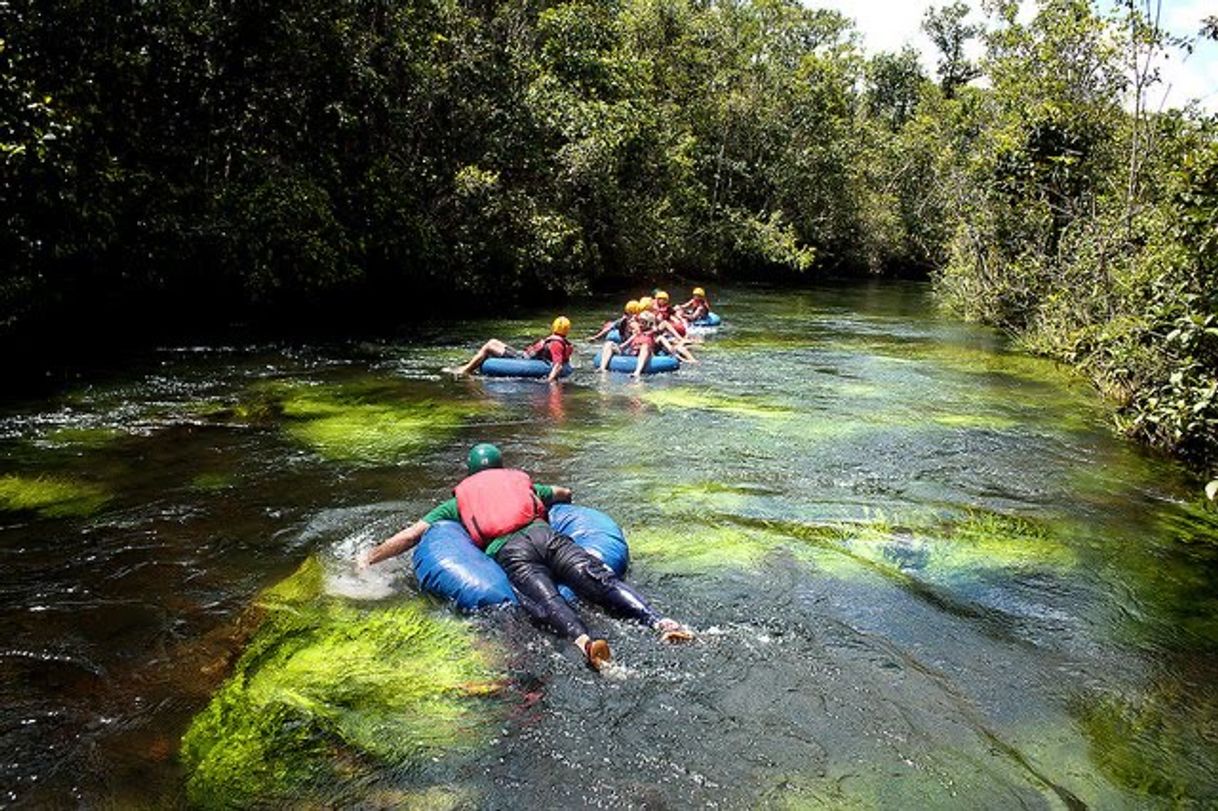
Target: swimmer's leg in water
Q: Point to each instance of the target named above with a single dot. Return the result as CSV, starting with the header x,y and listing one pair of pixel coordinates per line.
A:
x,y
591,579
523,558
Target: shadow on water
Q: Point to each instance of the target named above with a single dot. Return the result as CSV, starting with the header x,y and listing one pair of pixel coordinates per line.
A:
x,y
923,572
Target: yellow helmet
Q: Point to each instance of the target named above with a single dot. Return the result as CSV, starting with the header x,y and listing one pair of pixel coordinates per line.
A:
x,y
699,292
661,295
561,325
633,307
645,303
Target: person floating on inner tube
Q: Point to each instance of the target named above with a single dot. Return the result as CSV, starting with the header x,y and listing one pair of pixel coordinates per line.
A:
x,y
554,348
670,328
697,307
505,515
666,312
621,324
639,340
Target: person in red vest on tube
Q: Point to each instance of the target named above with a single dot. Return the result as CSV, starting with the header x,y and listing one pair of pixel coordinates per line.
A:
x,y
504,513
554,349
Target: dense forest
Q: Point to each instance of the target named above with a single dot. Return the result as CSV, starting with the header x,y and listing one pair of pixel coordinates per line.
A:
x,y
189,163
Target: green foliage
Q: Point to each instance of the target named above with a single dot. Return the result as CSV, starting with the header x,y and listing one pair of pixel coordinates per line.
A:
x,y
894,87
947,30
184,157
327,691
1088,231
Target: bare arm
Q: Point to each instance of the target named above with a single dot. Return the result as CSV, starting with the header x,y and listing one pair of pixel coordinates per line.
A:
x,y
396,545
555,371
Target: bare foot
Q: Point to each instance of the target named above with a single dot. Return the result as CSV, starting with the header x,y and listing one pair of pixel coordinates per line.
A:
x,y
597,652
673,632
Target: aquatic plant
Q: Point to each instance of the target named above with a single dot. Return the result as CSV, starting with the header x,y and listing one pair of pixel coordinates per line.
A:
x,y
689,398
1160,744
82,437
50,497
985,539
355,423
213,481
327,690
696,549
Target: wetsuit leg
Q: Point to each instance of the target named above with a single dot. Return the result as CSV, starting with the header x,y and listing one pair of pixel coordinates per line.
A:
x,y
523,558
589,577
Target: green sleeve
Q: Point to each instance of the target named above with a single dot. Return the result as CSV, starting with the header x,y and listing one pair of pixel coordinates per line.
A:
x,y
545,492
444,512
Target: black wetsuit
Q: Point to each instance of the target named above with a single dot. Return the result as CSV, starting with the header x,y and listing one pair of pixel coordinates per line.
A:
x,y
537,557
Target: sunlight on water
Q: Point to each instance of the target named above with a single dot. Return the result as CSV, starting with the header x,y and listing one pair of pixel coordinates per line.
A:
x,y
922,570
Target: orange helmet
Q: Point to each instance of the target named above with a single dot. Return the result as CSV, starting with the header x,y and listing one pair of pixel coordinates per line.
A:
x,y
699,292
561,326
661,295
645,303
633,307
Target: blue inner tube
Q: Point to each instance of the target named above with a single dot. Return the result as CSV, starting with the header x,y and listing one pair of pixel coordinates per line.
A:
x,y
448,565
519,367
708,320
626,363
613,336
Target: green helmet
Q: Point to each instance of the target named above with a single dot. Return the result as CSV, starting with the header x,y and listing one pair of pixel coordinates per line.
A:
x,y
482,456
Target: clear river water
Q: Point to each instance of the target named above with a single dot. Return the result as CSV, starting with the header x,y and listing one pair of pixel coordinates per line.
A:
x,y
923,571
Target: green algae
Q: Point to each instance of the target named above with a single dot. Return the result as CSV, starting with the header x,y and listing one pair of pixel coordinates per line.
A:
x,y
366,421
970,359
682,398
993,540
700,549
213,482
976,421
50,497
1159,744
327,691
83,438
978,541
700,499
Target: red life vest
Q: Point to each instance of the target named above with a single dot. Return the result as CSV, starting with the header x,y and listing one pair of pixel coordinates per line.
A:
x,y
495,502
543,346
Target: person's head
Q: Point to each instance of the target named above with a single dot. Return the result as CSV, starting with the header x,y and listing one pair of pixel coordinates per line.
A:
x,y
483,456
647,320
645,303
561,326
661,298
699,292
633,307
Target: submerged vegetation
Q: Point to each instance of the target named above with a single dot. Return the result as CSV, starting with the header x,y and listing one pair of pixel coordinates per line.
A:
x,y
326,689
1160,744
351,423
50,497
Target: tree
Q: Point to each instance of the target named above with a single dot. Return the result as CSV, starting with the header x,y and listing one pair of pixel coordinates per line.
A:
x,y
894,85
947,30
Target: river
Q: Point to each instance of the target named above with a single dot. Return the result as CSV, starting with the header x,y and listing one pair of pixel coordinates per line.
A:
x,y
922,569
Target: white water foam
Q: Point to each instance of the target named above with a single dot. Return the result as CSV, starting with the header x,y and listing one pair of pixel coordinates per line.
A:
x,y
344,578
